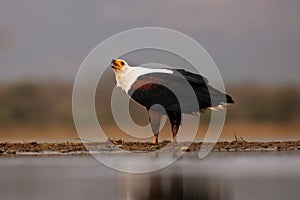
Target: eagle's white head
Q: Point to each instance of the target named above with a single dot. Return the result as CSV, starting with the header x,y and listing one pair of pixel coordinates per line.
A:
x,y
127,75
124,73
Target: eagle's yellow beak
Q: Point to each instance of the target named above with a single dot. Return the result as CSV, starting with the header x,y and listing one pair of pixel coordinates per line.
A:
x,y
117,64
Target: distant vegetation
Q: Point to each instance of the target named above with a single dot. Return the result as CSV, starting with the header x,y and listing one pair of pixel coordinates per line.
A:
x,y
49,104
273,104
31,104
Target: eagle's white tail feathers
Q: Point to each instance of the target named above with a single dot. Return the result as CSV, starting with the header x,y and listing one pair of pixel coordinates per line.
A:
x,y
221,106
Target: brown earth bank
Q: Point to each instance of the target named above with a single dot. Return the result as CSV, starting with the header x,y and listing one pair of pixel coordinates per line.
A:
x,y
121,145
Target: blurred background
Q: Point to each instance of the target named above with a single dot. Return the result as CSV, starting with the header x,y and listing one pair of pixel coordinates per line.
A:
x,y
255,44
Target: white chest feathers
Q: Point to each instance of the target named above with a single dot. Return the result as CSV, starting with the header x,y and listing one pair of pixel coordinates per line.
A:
x,y
126,77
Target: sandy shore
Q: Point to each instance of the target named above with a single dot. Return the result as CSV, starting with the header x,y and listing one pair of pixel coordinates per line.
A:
x,y
120,145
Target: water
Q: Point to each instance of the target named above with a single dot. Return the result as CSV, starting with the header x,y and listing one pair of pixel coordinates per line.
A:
x,y
219,176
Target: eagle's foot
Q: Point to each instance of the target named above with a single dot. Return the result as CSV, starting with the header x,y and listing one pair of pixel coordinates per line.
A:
x,y
155,139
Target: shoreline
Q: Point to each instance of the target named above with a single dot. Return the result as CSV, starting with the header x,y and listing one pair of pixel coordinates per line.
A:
x,y
114,146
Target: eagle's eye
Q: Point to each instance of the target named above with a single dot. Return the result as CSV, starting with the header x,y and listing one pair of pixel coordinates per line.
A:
x,y
122,63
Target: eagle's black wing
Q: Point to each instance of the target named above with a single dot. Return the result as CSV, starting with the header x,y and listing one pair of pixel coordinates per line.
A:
x,y
160,88
201,87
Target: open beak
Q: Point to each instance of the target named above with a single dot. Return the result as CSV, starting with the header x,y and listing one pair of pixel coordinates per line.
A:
x,y
115,67
113,63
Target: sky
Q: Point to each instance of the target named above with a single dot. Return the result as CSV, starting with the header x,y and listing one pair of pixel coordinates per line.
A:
x,y
253,41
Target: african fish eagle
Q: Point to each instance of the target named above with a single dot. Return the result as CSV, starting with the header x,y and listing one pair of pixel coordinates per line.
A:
x,y
149,87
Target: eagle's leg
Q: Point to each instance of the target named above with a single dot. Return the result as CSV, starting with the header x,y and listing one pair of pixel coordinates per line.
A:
x,y
155,118
175,120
